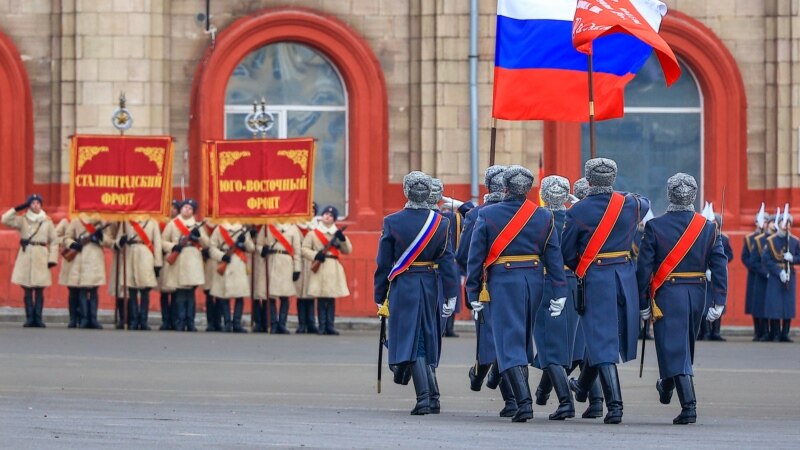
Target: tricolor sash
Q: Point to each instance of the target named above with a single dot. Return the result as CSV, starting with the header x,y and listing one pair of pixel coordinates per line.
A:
x,y
674,257
506,236
417,245
142,235
229,242
324,240
601,233
282,239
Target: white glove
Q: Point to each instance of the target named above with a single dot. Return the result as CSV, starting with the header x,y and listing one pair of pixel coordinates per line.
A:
x,y
708,274
556,306
645,314
476,306
784,276
788,257
573,199
714,313
476,315
449,307
456,203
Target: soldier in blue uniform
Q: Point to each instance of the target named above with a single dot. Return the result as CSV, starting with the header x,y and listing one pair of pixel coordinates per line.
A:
x,y
413,254
513,241
777,260
611,318
679,285
711,330
493,180
752,272
760,283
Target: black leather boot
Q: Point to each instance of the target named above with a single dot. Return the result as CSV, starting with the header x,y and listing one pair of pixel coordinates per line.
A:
x,y
210,311
191,310
72,302
283,316
322,314
558,378
93,300
144,309
402,372
419,373
449,327
238,310
494,378
83,299
133,310
665,388
257,314
29,314
217,306
787,328
311,318
583,384
166,310
685,387
756,329
224,306
714,331
542,393
518,378
120,305
38,307
302,314
595,409
179,307
433,386
273,315
331,311
609,379
476,376
510,408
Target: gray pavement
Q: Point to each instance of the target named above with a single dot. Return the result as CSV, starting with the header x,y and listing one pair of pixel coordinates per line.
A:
x,y
63,388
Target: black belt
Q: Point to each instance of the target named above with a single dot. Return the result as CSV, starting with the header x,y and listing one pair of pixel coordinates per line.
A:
x,y
331,257
278,252
40,244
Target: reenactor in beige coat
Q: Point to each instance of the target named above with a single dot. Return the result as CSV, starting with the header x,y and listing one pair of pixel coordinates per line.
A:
x,y
73,293
88,272
38,252
230,244
140,244
184,236
166,294
213,318
325,244
306,315
280,245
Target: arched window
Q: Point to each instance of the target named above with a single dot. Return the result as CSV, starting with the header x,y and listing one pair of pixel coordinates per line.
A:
x,y
660,135
307,98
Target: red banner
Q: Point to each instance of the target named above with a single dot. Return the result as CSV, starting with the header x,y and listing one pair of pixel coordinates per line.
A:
x,y
259,181
119,177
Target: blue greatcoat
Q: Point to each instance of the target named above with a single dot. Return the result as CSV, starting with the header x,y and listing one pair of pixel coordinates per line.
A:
x,y
747,249
555,336
413,295
726,248
515,288
456,220
760,280
779,299
680,299
611,321
486,346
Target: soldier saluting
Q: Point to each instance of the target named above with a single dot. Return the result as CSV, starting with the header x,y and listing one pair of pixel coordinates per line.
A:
x,y
38,252
677,249
413,247
512,243
596,245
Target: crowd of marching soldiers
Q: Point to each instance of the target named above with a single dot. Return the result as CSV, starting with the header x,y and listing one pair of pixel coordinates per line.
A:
x,y
227,261
551,287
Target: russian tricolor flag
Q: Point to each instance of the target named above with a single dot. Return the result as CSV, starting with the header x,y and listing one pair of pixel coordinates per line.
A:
x,y
539,74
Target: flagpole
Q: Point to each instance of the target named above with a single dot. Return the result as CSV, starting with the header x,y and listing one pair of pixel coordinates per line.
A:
x,y
592,140
494,139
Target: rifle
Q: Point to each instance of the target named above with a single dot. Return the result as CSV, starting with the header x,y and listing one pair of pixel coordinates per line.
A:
x,y
315,264
173,255
381,341
222,266
644,343
69,253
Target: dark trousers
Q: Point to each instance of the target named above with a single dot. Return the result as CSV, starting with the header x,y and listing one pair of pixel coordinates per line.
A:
x,y
138,308
89,300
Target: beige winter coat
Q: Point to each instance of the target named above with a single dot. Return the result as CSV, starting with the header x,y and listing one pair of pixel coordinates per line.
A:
x,y
141,260
210,263
113,280
165,267
301,285
330,280
66,266
188,271
30,268
235,282
281,265
89,267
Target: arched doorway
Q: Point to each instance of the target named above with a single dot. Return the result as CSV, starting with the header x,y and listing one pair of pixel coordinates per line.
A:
x,y
16,126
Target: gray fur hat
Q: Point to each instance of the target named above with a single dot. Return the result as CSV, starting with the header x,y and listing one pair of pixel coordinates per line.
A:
x,y
601,172
437,188
580,188
492,181
554,192
518,180
417,187
682,189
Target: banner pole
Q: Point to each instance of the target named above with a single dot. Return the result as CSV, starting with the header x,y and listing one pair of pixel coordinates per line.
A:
x,y
592,140
492,145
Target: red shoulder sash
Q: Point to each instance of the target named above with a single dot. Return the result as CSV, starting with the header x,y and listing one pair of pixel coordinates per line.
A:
x,y
601,233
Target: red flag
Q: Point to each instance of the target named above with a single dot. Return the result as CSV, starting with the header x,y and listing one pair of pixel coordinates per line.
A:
x,y
541,177
638,18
